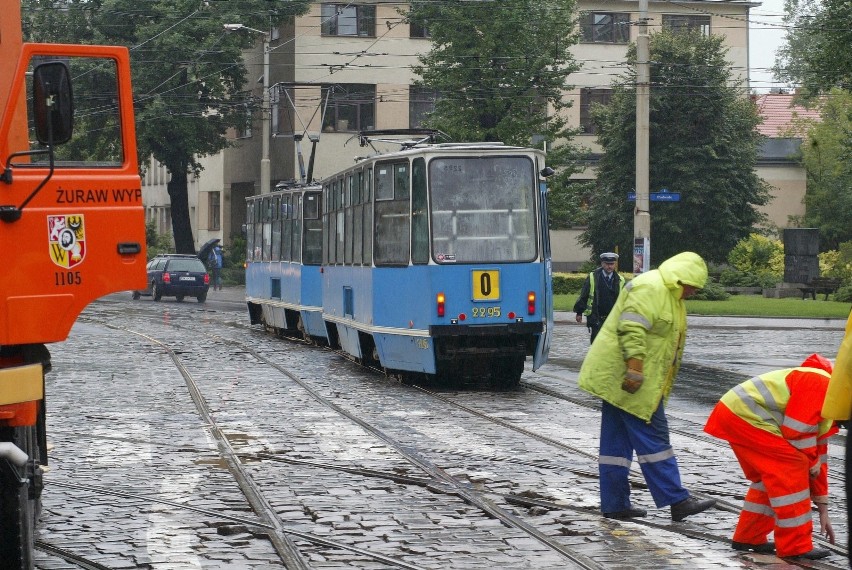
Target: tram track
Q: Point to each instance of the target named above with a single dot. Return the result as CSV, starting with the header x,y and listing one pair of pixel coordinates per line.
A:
x,y
435,480
69,556
637,480
636,477
412,455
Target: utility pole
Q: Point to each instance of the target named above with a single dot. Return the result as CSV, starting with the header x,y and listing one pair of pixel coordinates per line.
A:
x,y
642,213
265,173
265,177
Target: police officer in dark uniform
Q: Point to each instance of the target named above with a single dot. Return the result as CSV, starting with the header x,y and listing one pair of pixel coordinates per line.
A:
x,y
599,293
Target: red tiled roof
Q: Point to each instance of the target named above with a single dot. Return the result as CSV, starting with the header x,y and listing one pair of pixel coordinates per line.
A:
x,y
778,111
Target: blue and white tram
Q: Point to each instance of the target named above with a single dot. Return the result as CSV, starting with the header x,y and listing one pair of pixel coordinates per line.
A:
x,y
436,261
284,251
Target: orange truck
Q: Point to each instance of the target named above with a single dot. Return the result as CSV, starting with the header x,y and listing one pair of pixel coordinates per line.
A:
x,y
72,229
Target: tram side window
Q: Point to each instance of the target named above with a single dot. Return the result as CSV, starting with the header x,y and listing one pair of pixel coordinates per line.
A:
x,y
324,207
296,235
333,222
419,217
275,255
339,215
358,217
258,231
250,231
328,219
392,214
287,227
368,217
347,223
312,220
267,229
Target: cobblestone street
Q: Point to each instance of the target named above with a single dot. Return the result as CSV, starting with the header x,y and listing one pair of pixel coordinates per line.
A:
x,y
183,438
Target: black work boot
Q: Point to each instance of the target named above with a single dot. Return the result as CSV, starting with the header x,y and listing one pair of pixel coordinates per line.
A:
x,y
690,506
764,548
814,554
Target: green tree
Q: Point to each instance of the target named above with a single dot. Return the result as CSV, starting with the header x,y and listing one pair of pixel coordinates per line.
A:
x,y
703,144
817,54
827,157
188,72
501,71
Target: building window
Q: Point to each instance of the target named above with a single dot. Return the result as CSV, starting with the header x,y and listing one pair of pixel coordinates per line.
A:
x,y
421,102
214,208
687,23
589,98
351,107
418,30
605,27
244,125
348,20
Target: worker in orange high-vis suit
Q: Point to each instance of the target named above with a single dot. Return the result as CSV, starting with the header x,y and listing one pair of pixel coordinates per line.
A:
x,y
776,430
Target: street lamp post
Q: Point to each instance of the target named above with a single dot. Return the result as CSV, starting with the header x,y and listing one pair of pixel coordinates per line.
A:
x,y
265,176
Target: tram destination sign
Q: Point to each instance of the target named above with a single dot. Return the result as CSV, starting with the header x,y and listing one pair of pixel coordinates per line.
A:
x,y
661,196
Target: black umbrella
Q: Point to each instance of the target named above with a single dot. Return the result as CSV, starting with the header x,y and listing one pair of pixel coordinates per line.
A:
x,y
204,252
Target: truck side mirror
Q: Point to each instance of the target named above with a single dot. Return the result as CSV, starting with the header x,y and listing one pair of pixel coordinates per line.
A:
x,y
53,104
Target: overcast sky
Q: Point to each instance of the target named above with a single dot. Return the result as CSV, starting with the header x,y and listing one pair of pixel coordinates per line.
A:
x,y
764,39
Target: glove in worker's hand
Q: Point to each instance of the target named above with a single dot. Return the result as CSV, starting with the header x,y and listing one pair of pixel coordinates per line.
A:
x,y
634,377
814,470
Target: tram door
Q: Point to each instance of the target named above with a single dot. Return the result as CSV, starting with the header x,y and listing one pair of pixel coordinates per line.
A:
x,y
543,348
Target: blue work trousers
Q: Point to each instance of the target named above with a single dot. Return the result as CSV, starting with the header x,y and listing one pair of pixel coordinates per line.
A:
x,y
621,434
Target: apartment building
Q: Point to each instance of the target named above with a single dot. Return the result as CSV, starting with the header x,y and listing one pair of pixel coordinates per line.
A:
x,y
360,54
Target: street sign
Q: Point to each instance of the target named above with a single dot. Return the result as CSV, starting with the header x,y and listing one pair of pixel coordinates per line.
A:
x,y
658,196
665,197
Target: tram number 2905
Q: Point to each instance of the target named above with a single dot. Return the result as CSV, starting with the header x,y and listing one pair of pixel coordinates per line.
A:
x,y
484,312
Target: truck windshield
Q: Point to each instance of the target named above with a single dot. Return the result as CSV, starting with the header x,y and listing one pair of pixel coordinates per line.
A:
x,y
483,209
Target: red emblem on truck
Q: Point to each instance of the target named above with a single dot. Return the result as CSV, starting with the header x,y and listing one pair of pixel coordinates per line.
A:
x,y
67,240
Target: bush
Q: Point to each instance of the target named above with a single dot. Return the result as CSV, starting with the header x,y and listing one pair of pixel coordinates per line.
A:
x,y
736,278
711,292
567,283
837,263
844,294
758,255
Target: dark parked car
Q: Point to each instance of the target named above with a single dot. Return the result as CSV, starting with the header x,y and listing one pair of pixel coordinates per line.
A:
x,y
176,275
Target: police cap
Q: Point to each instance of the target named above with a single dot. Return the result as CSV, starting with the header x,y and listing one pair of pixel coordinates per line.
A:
x,y
609,257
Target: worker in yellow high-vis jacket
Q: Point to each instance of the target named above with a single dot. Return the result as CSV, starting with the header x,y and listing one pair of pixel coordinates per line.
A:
x,y
838,406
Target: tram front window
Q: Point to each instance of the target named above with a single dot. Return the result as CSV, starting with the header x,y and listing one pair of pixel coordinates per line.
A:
x,y
483,209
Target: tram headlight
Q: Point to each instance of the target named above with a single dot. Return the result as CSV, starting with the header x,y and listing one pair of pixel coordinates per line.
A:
x,y
439,301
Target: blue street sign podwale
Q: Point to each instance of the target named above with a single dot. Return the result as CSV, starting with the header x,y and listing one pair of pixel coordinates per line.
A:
x,y
662,196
